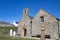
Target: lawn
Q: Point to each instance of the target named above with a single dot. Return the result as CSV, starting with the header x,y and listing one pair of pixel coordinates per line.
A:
x,y
12,38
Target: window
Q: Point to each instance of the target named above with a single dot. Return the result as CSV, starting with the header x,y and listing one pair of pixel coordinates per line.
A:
x,y
30,21
47,36
25,11
39,36
42,18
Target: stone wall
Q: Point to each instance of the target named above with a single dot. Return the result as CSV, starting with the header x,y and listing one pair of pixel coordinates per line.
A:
x,y
59,26
25,23
50,22
50,25
59,29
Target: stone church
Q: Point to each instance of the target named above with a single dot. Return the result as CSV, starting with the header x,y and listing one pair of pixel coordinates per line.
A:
x,y
31,27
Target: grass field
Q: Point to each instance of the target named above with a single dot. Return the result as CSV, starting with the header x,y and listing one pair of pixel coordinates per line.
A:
x,y
11,38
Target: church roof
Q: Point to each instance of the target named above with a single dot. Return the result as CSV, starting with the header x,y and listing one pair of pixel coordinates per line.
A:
x,y
16,22
51,14
3,23
30,17
58,19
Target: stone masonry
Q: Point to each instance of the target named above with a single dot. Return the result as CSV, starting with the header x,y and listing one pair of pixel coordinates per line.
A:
x,y
24,23
34,28
51,25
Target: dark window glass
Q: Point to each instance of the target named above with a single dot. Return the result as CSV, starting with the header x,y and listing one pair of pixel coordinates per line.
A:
x,y
42,18
47,36
25,11
30,21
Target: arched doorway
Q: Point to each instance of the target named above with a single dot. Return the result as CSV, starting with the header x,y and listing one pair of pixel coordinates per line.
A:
x,y
24,31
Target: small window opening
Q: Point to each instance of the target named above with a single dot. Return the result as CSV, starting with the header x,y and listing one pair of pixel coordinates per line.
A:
x,y
25,11
42,18
30,21
47,36
39,36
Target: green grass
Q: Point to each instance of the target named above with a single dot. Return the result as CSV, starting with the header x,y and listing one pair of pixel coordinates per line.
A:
x,y
5,31
11,38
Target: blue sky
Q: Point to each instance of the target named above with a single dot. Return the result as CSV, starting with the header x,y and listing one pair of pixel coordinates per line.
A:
x,y
11,10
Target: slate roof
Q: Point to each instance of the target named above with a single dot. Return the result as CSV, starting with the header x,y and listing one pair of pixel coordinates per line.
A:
x,y
16,22
30,17
3,23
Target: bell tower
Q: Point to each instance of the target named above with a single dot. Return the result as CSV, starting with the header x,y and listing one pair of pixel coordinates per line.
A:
x,y
25,12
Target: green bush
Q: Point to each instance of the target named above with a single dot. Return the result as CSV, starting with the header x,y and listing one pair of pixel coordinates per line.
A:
x,y
5,30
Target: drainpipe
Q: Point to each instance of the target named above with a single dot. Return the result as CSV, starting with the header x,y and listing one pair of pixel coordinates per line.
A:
x,y
31,28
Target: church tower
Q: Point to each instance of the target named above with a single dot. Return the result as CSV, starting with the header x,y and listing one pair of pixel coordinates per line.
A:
x,y
25,12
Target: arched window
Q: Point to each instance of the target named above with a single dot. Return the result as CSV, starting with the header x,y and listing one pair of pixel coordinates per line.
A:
x,y
25,11
31,23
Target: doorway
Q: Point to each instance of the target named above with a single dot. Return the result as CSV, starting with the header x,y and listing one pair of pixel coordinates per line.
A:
x,y
25,31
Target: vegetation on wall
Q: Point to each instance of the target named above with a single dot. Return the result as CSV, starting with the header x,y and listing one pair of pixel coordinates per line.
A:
x,y
5,30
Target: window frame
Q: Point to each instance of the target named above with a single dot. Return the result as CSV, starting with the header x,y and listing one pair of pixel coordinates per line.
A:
x,y
42,18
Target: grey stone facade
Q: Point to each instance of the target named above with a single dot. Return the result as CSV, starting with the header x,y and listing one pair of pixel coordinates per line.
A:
x,y
50,23
24,23
33,25
59,26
